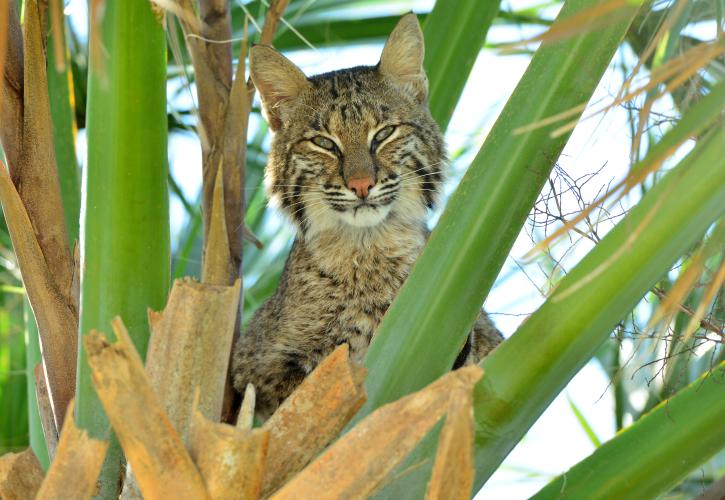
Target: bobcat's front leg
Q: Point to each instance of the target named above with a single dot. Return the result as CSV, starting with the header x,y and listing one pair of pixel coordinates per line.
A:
x,y
483,339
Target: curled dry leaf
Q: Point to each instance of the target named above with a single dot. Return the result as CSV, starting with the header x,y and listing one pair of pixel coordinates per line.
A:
x,y
161,465
312,416
74,470
20,475
355,466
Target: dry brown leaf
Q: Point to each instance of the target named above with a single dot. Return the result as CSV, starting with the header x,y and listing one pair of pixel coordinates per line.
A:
x,y
218,268
712,289
654,42
230,460
161,465
595,17
356,464
38,229
223,112
274,14
312,416
20,475
189,348
670,304
4,25
233,158
56,322
11,86
36,177
182,9
47,420
74,470
675,72
453,472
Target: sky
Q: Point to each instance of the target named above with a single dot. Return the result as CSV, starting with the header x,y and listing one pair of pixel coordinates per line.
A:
x,y
601,144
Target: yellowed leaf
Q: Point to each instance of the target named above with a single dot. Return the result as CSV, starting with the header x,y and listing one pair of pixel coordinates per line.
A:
x,y
74,470
4,21
189,349
57,324
36,177
20,475
452,477
355,465
312,416
218,268
161,465
231,460
710,291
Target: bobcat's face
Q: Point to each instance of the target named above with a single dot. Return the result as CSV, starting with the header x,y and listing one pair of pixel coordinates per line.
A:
x,y
353,148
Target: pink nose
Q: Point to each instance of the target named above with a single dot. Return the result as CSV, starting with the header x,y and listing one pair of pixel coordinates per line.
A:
x,y
361,186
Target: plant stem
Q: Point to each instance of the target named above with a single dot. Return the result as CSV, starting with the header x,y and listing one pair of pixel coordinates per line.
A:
x,y
125,235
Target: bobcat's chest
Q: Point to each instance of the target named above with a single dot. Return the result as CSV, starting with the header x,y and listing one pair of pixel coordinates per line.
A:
x,y
361,283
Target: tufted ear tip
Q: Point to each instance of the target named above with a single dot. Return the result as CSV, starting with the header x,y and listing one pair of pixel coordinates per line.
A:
x,y
403,54
409,18
258,52
276,78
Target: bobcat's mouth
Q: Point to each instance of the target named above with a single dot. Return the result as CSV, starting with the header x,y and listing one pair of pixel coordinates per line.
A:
x,y
365,214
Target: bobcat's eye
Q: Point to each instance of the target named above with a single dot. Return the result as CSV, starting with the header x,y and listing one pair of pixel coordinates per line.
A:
x,y
384,133
324,142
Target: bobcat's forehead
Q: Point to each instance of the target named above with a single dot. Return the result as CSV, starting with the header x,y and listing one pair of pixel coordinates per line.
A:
x,y
348,104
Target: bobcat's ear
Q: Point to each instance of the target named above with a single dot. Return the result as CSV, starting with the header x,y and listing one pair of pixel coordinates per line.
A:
x,y
277,79
402,58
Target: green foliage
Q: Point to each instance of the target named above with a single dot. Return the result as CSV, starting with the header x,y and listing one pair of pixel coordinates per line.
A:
x,y
125,240
14,414
592,299
36,438
454,34
64,135
421,334
668,442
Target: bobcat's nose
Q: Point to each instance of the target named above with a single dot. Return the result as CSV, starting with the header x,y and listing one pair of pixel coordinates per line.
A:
x,y
361,186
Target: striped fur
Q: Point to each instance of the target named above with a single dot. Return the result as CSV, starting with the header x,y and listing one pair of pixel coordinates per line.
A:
x,y
350,256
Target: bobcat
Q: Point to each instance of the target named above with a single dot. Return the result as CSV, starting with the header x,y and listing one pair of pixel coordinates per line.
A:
x,y
356,162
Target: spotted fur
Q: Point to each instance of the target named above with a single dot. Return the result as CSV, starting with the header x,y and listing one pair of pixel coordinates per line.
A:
x,y
351,255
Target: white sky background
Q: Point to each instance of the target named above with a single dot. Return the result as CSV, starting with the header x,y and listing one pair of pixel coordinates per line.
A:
x,y
556,441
